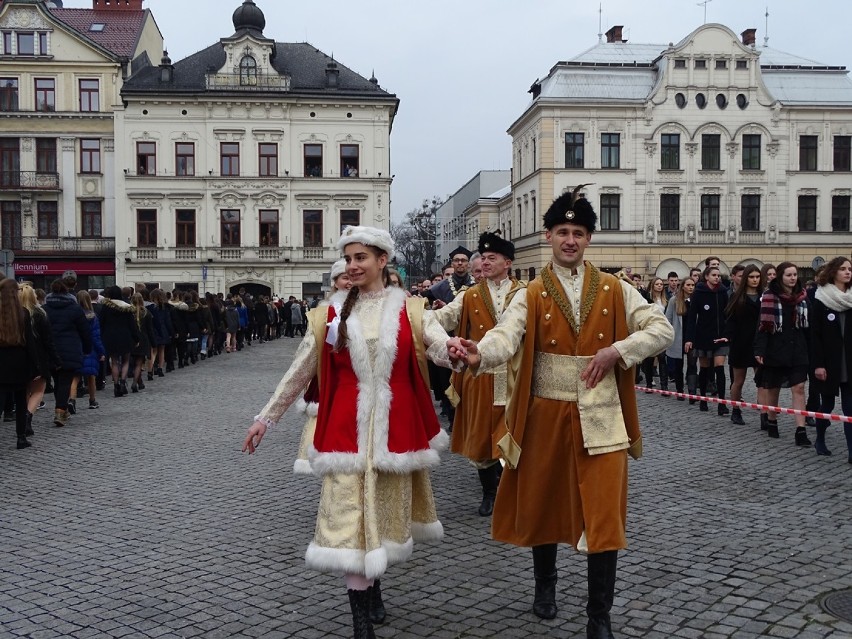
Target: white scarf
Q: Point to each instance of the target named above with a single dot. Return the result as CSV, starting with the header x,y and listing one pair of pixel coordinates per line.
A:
x,y
834,298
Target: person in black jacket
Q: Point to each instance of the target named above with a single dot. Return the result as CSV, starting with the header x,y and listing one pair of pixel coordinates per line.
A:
x,y
142,351
17,353
781,345
164,331
47,357
704,331
120,335
72,339
831,346
742,312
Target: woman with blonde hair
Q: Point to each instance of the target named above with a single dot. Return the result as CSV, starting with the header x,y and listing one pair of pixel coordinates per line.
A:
x,y
656,295
47,359
142,351
676,310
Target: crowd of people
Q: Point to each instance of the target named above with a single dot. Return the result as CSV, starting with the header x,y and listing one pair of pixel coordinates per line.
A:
x,y
70,343
789,333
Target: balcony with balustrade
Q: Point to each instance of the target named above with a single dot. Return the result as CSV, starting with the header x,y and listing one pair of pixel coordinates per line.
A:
x,y
95,246
29,181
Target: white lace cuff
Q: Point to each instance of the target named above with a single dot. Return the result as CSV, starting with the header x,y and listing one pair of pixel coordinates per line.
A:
x,y
265,421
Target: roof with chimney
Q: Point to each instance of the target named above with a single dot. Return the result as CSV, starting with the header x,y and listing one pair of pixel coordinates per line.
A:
x,y
619,71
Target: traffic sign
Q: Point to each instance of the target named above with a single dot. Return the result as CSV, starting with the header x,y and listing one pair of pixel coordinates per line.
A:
x,y
204,272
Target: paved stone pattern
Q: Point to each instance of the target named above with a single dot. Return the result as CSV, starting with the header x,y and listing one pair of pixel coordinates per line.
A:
x,y
143,519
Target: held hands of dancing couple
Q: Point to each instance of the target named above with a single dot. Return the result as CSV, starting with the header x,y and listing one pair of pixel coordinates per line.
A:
x,y
463,350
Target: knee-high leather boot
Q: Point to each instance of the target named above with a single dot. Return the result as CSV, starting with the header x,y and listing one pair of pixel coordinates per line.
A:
x,y
544,568
377,606
602,570
359,601
489,479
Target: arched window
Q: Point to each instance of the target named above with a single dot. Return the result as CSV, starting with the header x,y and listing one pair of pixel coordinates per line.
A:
x,y
248,71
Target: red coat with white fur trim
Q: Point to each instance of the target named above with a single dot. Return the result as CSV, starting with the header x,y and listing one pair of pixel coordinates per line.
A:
x,y
389,394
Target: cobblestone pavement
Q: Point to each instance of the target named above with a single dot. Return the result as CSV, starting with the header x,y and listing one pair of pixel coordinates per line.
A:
x,y
142,519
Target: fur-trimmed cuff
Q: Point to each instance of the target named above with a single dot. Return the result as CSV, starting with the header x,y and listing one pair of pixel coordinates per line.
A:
x,y
334,560
301,405
312,409
265,420
433,531
302,467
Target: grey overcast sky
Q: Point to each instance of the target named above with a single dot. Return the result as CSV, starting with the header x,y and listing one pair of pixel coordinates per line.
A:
x,y
462,68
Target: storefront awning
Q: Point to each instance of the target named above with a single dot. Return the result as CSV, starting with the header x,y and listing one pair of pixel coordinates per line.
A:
x,y
41,266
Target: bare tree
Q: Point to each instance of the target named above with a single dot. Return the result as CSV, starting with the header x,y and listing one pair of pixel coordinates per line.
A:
x,y
415,239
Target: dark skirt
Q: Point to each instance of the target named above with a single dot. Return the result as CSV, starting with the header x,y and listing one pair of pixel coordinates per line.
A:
x,y
780,376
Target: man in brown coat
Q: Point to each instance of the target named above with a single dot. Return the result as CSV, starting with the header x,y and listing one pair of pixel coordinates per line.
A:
x,y
480,402
572,417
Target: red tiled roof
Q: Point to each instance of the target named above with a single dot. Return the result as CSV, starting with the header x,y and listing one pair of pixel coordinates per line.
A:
x,y
121,31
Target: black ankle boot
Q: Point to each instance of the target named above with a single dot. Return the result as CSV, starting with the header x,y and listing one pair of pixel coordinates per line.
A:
x,y
377,606
601,578
150,376
721,410
488,478
544,568
702,406
819,445
772,429
359,601
117,390
737,417
802,437
764,421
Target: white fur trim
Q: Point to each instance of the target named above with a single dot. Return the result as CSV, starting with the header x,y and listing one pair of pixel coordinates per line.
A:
x,y
302,467
367,235
427,532
337,269
397,553
311,409
334,560
301,405
441,441
375,563
327,463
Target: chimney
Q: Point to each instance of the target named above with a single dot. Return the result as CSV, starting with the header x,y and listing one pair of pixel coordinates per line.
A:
x,y
614,34
748,37
332,75
117,5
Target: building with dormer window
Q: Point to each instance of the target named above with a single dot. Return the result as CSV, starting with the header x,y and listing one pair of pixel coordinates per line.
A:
x,y
240,165
61,71
710,146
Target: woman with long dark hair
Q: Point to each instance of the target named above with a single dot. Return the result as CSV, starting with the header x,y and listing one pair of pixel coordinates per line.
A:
x,y
831,346
142,351
120,335
743,312
376,440
164,332
705,332
781,345
657,295
17,352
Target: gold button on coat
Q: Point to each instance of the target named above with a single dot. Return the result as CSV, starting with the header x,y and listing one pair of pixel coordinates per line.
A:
x,y
544,293
605,312
600,335
606,287
547,316
481,327
553,342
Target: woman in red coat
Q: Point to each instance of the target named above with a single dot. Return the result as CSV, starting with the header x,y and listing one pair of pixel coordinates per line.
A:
x,y
375,442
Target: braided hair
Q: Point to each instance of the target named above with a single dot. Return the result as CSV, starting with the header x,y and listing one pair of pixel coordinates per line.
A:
x,y
349,303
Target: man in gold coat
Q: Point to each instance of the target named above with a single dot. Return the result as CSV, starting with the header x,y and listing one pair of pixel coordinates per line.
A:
x,y
480,402
572,417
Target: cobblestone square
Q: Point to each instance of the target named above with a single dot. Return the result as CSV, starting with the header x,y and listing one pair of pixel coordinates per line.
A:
x,y
143,519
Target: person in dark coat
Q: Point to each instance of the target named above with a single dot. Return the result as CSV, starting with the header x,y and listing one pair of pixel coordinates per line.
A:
x,y
261,318
177,308
232,326
72,339
92,361
47,359
142,352
742,312
120,335
18,354
831,346
164,331
781,345
192,318
704,331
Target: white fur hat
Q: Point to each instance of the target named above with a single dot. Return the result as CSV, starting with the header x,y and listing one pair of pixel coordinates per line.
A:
x,y
338,269
368,236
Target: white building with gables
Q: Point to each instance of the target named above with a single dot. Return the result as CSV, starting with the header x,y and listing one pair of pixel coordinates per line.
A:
x,y
711,146
238,166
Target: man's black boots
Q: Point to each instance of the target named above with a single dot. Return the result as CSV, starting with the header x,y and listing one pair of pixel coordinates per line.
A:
x,y
489,478
544,568
377,606
602,569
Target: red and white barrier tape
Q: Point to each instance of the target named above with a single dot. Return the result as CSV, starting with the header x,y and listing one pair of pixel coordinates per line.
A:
x,y
760,407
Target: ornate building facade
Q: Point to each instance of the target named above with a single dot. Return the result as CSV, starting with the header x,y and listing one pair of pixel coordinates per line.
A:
x,y
240,165
61,71
710,146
